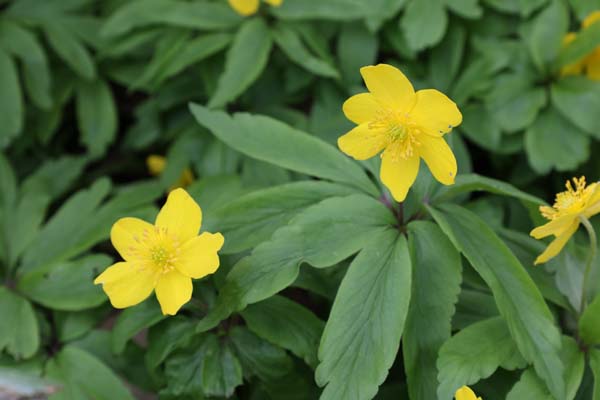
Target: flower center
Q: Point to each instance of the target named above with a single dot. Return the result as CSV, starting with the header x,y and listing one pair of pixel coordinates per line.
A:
x,y
402,133
571,201
156,249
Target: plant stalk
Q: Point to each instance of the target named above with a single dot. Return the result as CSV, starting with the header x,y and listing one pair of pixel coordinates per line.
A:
x,y
588,265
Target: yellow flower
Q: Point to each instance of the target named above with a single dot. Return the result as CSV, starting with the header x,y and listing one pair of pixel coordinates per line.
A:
x,y
465,393
162,257
405,125
569,206
590,64
249,7
156,165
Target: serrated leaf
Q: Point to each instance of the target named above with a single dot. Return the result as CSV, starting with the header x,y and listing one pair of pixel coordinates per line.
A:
x,y
321,236
529,320
578,99
131,321
436,269
424,23
362,335
251,219
245,61
547,32
272,141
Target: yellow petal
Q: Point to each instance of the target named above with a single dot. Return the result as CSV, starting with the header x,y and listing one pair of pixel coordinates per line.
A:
x,y
244,7
363,142
389,85
173,290
593,203
439,158
399,175
434,112
180,215
275,3
591,19
198,256
126,285
156,164
361,108
554,227
127,233
557,244
465,393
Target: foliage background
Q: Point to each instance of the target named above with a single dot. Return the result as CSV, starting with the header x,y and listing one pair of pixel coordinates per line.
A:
x,y
89,89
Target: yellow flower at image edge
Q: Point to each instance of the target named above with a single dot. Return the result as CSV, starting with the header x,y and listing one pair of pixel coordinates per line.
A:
x,y
249,7
465,393
405,125
590,64
163,257
577,201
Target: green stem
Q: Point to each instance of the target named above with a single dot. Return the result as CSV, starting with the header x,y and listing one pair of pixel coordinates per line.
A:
x,y
591,257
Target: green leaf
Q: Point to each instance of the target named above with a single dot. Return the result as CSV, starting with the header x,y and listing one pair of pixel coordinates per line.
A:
x,y
424,23
8,183
66,285
84,377
291,44
436,269
465,8
339,10
272,141
61,233
548,147
251,219
474,183
589,323
70,50
514,103
132,320
584,7
259,357
36,73
197,15
245,61
11,101
530,386
321,236
595,367
585,42
363,332
529,320
19,331
167,337
96,115
479,126
55,177
445,59
356,47
474,353
286,324
547,32
578,99
210,369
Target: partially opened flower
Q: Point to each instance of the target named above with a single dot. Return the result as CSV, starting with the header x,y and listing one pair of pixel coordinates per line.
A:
x,y
249,7
570,207
163,257
465,393
404,125
157,164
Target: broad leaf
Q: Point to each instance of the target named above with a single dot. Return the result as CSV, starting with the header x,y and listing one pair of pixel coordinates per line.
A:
x,y
132,320
529,320
578,99
436,269
19,331
363,332
474,353
589,323
272,141
11,100
96,115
